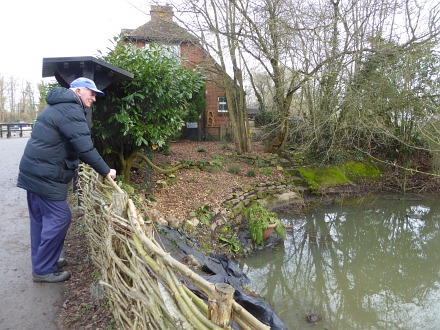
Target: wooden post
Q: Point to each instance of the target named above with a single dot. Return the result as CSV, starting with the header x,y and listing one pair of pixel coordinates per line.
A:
x,y
119,203
220,307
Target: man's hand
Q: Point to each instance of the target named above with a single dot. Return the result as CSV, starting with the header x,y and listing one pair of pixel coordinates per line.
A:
x,y
112,174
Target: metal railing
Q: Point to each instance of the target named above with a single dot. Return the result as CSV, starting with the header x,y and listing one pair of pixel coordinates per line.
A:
x,y
8,129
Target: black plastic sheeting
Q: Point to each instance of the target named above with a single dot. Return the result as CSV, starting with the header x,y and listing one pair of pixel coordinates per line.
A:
x,y
220,269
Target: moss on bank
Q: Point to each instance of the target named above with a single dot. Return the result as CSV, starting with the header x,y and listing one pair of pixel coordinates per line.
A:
x,y
319,179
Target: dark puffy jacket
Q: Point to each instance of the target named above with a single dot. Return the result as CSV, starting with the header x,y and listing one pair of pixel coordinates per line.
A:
x,y
60,137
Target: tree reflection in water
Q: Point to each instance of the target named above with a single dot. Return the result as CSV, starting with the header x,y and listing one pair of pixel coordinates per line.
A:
x,y
375,265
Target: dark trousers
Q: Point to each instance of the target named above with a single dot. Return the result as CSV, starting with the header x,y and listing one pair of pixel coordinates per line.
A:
x,y
50,221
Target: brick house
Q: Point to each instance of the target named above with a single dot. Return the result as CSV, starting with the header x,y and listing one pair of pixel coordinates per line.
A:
x,y
161,29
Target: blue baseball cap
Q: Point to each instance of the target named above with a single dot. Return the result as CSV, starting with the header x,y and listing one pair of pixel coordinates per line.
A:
x,y
87,83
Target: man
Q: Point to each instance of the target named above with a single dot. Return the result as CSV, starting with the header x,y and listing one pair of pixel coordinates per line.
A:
x,y
60,138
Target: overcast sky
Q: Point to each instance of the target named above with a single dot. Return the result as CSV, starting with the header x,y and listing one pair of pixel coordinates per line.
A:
x,y
31,30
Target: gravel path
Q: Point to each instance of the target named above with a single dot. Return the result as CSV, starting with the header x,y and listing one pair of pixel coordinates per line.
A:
x,y
25,305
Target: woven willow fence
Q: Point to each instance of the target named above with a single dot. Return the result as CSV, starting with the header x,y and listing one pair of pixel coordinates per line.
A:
x,y
141,280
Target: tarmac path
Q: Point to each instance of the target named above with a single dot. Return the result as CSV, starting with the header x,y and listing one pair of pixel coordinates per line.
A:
x,y
24,305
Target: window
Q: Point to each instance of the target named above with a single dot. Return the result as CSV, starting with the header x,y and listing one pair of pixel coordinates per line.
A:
x,y
222,104
171,51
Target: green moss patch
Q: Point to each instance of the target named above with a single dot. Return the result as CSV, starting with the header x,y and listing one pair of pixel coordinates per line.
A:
x,y
322,178
319,179
359,171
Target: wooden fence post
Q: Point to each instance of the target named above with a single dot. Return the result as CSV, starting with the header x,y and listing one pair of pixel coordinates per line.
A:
x,y
220,307
119,203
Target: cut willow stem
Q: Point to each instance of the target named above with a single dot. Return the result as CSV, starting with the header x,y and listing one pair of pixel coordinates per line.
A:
x,y
200,303
199,320
206,286
173,309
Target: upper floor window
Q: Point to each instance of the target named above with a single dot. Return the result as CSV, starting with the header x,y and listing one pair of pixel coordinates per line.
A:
x,y
171,51
222,104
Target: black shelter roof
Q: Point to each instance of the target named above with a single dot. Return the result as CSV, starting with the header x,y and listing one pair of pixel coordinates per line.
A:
x,y
67,69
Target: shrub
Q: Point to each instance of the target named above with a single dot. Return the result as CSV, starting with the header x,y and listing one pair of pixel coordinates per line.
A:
x,y
250,173
234,169
204,214
218,161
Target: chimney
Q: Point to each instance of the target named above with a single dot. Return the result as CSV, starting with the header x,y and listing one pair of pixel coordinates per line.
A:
x,y
164,13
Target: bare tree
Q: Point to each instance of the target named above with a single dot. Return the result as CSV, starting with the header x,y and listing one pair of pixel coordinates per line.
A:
x,y
313,46
2,99
12,87
217,24
26,106
17,99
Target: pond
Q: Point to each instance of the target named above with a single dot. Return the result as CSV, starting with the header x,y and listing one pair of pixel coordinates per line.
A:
x,y
364,264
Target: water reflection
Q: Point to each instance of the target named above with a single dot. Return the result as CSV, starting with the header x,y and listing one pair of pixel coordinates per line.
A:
x,y
370,266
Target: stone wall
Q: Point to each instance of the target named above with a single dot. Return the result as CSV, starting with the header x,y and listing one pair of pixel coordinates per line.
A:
x,y
269,195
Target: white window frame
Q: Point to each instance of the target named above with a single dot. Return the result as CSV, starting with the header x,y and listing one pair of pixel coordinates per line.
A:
x,y
171,51
222,104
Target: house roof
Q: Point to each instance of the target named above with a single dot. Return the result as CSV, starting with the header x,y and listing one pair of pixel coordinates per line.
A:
x,y
160,29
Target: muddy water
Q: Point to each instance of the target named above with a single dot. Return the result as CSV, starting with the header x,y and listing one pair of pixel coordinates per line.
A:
x,y
370,264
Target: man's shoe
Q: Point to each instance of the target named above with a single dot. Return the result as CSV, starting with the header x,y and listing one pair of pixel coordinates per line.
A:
x,y
52,277
62,262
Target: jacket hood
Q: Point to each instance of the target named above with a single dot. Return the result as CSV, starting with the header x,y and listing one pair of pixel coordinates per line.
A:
x,y
62,95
